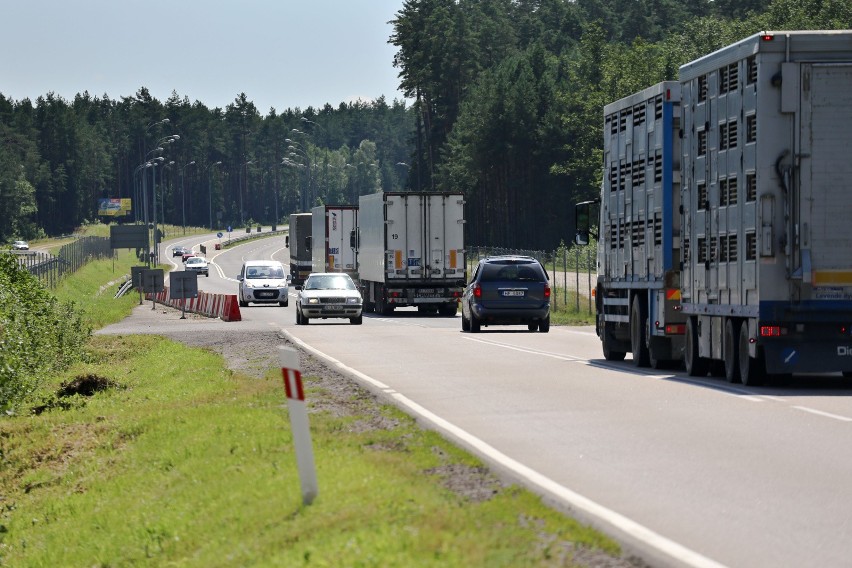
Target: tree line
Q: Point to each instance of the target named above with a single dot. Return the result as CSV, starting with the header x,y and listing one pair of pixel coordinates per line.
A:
x,y
209,166
506,106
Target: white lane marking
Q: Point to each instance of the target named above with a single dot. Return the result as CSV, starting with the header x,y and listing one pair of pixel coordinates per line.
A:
x,y
528,350
825,414
573,499
737,393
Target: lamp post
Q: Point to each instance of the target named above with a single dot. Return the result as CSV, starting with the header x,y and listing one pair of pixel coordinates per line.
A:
x,y
210,186
183,194
406,166
145,159
163,190
240,184
291,164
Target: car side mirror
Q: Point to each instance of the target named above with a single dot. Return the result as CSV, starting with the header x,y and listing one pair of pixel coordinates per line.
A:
x,y
298,286
289,279
239,278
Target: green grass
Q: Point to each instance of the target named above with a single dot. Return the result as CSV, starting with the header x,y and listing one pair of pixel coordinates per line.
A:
x,y
180,462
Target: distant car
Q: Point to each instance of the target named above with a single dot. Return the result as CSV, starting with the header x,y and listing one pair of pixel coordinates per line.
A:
x,y
180,251
20,245
328,295
507,290
263,282
197,264
187,255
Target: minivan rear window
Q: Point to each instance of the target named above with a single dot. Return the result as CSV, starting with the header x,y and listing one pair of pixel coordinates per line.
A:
x,y
515,272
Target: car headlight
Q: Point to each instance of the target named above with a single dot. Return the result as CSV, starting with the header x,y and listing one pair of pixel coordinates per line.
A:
x,y
353,300
313,300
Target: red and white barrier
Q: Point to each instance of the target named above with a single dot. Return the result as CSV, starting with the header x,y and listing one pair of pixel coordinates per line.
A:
x,y
222,306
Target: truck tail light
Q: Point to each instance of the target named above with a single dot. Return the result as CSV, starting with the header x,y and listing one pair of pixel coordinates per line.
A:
x,y
772,331
675,329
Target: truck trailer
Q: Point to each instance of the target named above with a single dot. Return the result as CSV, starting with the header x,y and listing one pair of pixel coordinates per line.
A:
x,y
411,251
722,237
333,231
299,241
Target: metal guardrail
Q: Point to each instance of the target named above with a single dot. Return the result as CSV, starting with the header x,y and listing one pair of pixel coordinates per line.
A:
x,y
50,269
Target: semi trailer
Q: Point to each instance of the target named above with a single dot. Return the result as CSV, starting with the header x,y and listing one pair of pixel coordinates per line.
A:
x,y
722,236
299,241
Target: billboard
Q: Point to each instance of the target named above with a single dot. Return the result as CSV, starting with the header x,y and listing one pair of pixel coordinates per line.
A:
x,y
114,207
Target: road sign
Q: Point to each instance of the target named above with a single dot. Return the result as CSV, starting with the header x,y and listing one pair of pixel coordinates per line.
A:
x,y
229,228
219,234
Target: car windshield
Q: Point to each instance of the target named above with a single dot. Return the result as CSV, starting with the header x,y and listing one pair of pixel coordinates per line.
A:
x,y
329,283
275,272
195,260
513,272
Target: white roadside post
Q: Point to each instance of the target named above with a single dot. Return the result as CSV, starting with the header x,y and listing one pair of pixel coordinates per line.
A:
x,y
292,373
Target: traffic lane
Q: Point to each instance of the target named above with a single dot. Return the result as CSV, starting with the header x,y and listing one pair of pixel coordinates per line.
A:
x,y
730,475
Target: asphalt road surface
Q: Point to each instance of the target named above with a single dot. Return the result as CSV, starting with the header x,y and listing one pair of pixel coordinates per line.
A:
x,y
690,472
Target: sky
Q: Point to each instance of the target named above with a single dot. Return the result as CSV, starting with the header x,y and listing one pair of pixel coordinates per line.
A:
x,y
281,53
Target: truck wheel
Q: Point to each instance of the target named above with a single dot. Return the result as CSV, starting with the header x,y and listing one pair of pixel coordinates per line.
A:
x,y
607,342
638,331
752,369
448,310
732,351
695,366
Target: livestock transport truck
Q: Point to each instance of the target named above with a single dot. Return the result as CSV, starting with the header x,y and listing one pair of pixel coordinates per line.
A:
x,y
333,230
411,251
724,213
299,241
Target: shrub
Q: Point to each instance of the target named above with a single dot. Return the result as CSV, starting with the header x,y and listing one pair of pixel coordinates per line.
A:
x,y
39,335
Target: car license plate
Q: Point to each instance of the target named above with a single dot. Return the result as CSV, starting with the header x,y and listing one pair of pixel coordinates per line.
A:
x,y
265,294
334,308
513,292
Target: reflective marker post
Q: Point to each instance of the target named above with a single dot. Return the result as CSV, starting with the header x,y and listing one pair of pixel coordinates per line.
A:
x,y
292,374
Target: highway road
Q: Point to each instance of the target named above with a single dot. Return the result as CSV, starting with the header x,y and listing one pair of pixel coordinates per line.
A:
x,y
689,472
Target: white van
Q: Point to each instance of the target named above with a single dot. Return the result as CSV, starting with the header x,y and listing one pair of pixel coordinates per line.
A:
x,y
263,282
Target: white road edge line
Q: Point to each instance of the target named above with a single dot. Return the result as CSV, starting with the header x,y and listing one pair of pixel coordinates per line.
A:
x,y
825,414
640,533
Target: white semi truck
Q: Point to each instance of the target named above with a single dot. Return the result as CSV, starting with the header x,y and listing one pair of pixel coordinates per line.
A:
x,y
726,197
333,230
411,251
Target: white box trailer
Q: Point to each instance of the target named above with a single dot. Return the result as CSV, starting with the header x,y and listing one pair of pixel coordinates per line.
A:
x,y
333,230
411,251
767,196
299,241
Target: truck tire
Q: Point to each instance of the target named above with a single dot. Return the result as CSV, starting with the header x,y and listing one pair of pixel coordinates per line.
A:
x,y
752,369
732,351
638,333
607,343
695,366
448,310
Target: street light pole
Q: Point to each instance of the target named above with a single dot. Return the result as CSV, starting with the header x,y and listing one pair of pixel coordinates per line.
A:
x,y
240,184
210,186
183,194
